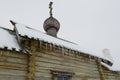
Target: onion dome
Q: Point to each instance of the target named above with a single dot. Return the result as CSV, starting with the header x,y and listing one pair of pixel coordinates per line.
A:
x,y
51,25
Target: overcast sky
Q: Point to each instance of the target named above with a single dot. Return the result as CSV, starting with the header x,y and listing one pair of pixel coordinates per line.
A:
x,y
93,24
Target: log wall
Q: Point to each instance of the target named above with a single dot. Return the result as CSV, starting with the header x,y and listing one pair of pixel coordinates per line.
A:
x,y
110,75
83,68
50,57
46,58
13,66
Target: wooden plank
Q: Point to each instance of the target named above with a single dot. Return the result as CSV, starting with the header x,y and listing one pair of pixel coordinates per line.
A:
x,y
9,77
61,57
68,53
17,60
43,74
13,64
39,68
13,67
43,78
10,72
11,54
13,60
49,65
31,67
66,62
3,59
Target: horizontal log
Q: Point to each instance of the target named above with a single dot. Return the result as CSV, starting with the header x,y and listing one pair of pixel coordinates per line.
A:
x,y
13,60
43,74
10,72
9,77
53,55
73,69
66,58
72,63
13,64
17,60
16,55
39,68
43,78
13,67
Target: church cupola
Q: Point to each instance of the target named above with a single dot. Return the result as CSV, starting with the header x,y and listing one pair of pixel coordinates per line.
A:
x,y
51,25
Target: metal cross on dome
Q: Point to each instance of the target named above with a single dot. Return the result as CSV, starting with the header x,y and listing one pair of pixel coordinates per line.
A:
x,y
50,6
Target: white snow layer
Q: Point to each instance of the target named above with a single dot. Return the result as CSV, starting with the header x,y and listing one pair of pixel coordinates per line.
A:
x,y
8,40
32,33
113,68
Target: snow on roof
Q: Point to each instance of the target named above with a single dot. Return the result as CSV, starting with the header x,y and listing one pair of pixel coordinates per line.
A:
x,y
112,68
8,40
32,33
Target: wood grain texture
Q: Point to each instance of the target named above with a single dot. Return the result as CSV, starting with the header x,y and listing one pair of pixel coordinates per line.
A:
x,y
13,66
47,57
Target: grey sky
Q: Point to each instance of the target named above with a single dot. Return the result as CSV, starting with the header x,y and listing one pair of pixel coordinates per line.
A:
x,y
94,24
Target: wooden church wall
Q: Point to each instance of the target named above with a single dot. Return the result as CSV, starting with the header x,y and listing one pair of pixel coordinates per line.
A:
x,y
110,75
45,59
49,58
13,66
81,67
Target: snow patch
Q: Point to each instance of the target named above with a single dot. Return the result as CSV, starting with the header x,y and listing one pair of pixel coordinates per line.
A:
x,y
8,40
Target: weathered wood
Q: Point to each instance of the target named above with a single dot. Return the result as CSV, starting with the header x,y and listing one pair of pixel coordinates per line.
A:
x,y
43,74
46,61
70,68
14,55
56,56
110,75
68,63
9,77
46,57
31,68
11,72
13,67
13,60
101,71
43,78
13,64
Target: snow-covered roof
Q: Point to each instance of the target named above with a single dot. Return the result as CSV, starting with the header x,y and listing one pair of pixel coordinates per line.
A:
x,y
32,33
112,68
8,40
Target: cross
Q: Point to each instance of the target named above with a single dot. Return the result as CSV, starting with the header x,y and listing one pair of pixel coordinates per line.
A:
x,y
50,6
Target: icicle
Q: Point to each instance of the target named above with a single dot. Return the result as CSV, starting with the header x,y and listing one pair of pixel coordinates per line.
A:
x,y
40,44
46,46
50,47
62,50
67,52
59,49
53,47
73,52
90,58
